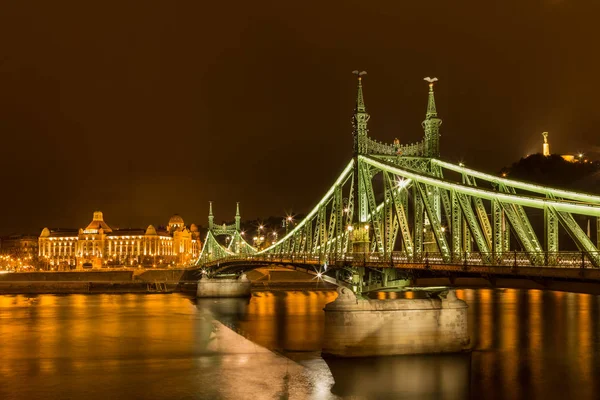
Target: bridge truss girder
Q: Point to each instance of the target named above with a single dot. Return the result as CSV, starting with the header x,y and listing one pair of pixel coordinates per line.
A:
x,y
467,209
400,199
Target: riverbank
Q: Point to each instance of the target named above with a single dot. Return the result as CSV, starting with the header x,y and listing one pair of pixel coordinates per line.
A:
x,y
120,281
74,287
144,281
121,275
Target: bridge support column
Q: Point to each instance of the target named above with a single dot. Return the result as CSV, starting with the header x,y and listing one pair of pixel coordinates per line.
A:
x,y
359,327
215,287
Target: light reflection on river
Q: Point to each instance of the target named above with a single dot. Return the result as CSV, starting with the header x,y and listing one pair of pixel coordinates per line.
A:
x,y
527,344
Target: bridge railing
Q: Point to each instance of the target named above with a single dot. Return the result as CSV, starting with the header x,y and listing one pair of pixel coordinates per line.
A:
x,y
562,259
514,259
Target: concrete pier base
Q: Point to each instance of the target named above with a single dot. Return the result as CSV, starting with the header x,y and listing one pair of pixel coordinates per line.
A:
x,y
357,327
211,287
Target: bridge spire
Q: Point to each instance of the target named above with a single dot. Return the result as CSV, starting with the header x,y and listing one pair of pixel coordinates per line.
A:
x,y
211,218
360,119
238,218
360,101
360,237
431,124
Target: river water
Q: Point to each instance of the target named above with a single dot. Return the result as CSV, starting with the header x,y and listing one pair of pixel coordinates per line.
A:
x,y
528,344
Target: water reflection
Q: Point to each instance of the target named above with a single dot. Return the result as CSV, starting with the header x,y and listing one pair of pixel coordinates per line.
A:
x,y
414,377
531,343
292,323
287,321
526,344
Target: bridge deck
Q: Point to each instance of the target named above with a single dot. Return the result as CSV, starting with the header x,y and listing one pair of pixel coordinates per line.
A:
x,y
562,265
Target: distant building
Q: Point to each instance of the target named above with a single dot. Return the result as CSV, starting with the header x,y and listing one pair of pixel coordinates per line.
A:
x,y
546,145
98,245
19,246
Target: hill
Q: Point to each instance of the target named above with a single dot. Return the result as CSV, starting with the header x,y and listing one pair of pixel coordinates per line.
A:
x,y
554,171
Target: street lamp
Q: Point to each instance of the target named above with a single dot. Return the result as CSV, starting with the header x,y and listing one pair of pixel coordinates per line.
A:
x,y
287,222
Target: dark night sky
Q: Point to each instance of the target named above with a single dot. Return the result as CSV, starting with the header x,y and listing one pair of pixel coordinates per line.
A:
x,y
143,109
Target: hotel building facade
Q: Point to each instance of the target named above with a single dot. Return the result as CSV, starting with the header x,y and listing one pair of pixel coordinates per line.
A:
x,y
100,246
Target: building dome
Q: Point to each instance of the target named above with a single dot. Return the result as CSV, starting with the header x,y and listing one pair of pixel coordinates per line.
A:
x,y
97,224
193,228
175,222
150,230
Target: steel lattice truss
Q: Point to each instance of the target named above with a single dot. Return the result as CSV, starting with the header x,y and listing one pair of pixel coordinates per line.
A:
x,y
403,203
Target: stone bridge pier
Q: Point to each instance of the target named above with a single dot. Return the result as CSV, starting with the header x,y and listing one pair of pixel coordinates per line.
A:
x,y
361,327
225,287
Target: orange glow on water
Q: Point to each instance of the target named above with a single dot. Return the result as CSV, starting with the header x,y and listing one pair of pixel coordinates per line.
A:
x,y
525,343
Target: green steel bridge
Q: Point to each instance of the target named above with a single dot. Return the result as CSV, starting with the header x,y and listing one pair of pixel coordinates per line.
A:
x,y
397,210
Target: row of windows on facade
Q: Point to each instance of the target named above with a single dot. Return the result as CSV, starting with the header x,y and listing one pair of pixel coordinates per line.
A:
x,y
166,249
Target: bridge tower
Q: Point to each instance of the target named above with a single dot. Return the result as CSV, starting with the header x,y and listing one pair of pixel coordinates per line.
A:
x,y
360,228
431,124
235,242
211,218
224,229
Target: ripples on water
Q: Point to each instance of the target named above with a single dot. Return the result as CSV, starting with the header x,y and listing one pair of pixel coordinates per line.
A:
x,y
527,344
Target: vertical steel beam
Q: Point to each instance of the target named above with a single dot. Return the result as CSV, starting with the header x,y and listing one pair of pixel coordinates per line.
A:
x,y
298,241
550,230
332,222
316,232
339,229
598,233
497,234
418,221
303,243
387,215
505,232
404,201
375,216
322,229
349,216
363,207
456,226
309,236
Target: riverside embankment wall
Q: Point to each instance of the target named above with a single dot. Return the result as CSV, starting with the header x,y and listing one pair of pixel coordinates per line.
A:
x,y
69,287
74,276
161,275
128,281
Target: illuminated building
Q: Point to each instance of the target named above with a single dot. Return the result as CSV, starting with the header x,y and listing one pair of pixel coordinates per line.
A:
x,y
19,245
98,245
568,157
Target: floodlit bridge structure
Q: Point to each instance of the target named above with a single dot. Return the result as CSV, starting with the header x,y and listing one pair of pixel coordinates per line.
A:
x,y
399,211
